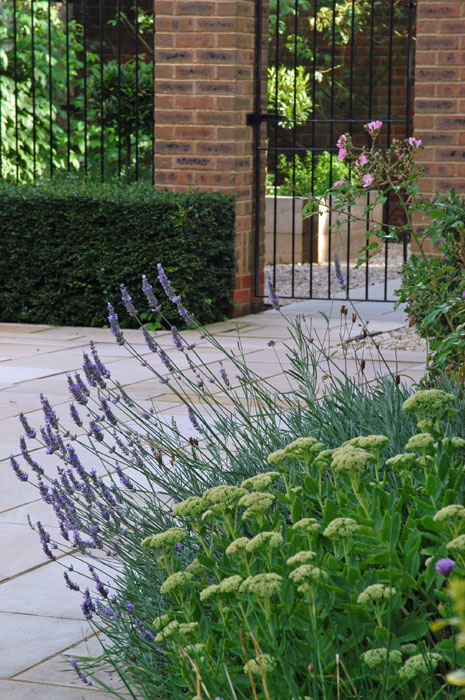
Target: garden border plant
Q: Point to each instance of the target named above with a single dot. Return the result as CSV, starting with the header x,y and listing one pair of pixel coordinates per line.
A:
x,y
144,458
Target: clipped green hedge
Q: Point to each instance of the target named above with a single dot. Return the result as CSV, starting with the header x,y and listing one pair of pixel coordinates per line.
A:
x,y
67,245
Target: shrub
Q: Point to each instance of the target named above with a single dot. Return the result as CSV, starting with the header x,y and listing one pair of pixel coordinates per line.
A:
x,y
433,287
66,245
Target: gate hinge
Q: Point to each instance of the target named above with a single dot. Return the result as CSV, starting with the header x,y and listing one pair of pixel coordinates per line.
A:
x,y
253,119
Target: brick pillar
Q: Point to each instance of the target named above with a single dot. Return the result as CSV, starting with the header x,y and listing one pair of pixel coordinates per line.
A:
x,y
440,95
204,88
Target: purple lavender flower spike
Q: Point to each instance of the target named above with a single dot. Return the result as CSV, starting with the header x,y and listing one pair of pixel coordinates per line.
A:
x,y
176,299
445,567
22,476
80,673
30,432
45,540
49,413
88,369
75,415
27,457
114,325
125,480
71,585
193,419
109,415
78,390
96,431
87,605
177,339
273,296
224,377
147,288
150,342
339,274
127,301
103,372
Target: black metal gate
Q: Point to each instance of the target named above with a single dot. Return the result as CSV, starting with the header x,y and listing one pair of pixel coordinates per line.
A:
x,y
334,65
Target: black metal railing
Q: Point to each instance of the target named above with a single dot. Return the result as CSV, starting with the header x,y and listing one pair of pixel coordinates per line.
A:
x,y
76,88
334,65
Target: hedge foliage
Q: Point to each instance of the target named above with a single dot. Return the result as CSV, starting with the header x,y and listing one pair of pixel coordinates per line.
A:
x,y
67,245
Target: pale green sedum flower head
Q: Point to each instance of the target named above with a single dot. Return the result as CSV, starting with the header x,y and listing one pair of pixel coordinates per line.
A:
x,y
264,540
188,628
368,442
168,631
262,585
375,593
161,621
457,544
378,657
257,502
458,443
307,573
266,661
277,457
452,512
303,557
401,461
195,568
177,580
237,546
303,447
165,540
421,441
423,664
230,584
307,525
224,495
350,460
429,401
260,482
192,507
209,591
341,528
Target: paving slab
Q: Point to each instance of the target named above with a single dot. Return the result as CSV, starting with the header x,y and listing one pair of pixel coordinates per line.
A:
x,y
19,690
28,639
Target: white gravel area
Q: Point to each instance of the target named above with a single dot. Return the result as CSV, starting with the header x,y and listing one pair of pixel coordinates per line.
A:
x,y
405,338
376,274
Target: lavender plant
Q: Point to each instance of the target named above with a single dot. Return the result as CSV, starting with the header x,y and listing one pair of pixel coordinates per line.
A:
x,y
123,465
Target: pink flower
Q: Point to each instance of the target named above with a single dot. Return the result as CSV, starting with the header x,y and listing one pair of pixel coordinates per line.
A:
x,y
342,154
374,126
367,180
340,142
463,295
341,182
414,142
363,160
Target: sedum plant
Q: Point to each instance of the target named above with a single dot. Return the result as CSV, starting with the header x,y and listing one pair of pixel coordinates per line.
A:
x,y
317,578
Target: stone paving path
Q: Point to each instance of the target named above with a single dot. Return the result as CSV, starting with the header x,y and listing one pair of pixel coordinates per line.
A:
x,y
40,619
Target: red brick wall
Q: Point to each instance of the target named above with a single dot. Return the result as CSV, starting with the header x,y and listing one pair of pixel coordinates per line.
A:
x,y
440,94
204,88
